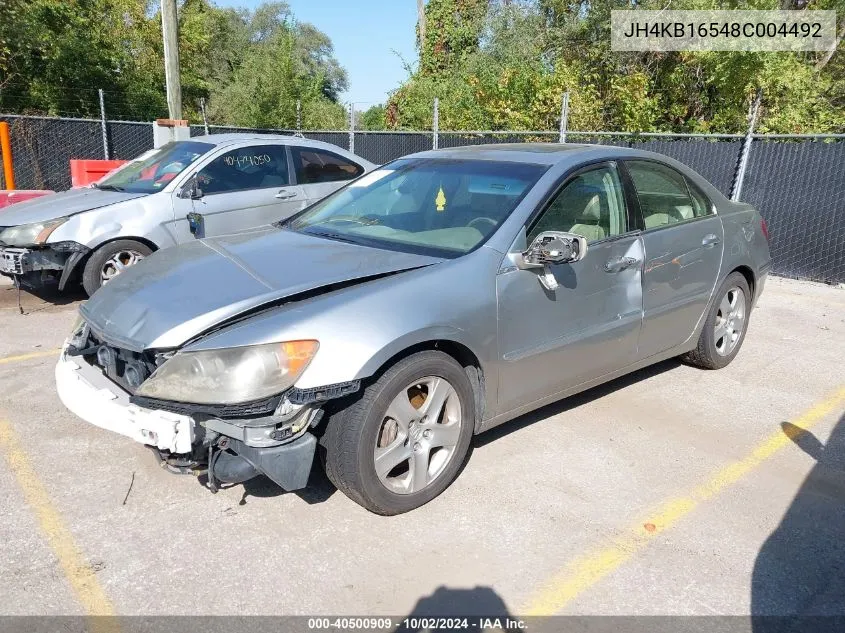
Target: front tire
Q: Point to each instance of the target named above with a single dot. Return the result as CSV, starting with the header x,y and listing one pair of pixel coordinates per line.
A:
x,y
725,326
405,439
110,260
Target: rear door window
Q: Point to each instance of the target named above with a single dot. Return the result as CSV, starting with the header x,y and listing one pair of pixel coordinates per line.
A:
x,y
318,165
253,167
663,194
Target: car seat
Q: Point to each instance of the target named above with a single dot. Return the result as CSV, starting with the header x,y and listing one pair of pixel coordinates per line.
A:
x,y
589,221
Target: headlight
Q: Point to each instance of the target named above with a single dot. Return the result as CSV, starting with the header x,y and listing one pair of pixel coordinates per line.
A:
x,y
230,376
30,234
77,325
78,333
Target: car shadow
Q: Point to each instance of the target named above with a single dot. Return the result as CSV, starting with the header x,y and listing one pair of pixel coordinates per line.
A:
x,y
573,402
800,569
478,602
39,299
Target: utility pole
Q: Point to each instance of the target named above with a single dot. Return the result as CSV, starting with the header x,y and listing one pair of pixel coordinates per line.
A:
x,y
170,33
421,22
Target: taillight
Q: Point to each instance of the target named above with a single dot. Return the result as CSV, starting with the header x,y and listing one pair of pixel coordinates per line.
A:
x,y
765,228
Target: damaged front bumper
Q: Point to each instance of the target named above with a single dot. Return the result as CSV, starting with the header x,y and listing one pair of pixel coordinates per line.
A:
x,y
278,445
40,265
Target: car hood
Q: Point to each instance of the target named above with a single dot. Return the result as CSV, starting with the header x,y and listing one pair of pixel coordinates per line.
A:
x,y
58,205
181,292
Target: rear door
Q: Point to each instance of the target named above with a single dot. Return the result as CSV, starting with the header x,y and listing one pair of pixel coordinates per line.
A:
x,y
320,172
683,241
242,188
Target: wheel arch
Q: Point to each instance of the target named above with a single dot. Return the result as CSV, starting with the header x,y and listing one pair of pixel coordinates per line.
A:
x,y
459,351
135,238
748,273
74,266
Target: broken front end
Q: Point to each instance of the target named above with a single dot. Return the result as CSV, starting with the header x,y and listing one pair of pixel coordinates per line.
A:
x,y
232,413
26,257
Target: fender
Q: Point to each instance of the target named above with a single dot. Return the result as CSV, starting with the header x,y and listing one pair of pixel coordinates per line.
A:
x,y
412,339
484,384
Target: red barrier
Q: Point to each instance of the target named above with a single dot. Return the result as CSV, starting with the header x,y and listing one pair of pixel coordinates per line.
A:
x,y
11,197
84,172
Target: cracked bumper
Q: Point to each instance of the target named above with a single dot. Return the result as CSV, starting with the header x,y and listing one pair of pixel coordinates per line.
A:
x,y
87,393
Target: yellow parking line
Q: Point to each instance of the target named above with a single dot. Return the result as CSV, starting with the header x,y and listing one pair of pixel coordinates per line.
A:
x,y
589,569
42,354
79,573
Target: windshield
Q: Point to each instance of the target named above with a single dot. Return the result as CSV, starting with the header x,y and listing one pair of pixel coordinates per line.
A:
x,y
441,207
151,171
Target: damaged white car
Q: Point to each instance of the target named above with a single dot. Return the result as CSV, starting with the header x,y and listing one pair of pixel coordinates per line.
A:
x,y
210,185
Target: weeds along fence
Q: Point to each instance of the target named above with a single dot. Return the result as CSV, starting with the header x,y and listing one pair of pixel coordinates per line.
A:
x,y
797,182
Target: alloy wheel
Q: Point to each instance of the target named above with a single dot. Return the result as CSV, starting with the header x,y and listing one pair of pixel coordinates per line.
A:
x,y
730,321
418,435
115,264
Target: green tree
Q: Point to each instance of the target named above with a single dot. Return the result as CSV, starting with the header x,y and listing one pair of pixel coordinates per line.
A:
x,y
283,61
251,66
373,118
525,55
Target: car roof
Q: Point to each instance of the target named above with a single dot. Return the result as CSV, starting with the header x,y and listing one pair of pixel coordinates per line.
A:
x,y
232,138
538,153
237,137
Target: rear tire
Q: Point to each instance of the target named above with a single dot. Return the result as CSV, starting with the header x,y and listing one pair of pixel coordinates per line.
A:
x,y
393,450
725,327
109,260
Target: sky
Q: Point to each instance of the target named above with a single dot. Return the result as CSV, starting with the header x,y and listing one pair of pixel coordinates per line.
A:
x,y
364,33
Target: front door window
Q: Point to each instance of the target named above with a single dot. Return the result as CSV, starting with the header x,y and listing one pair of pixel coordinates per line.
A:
x,y
255,167
592,204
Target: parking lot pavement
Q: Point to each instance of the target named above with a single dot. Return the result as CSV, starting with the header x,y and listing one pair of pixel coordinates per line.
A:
x,y
673,490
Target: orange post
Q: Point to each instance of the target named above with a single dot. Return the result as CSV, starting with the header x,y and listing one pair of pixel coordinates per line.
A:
x,y
6,151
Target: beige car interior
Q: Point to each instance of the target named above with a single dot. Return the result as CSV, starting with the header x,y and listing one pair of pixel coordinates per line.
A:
x,y
663,195
591,205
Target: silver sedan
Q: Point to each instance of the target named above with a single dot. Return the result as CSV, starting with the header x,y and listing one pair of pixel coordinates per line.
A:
x,y
183,191
427,301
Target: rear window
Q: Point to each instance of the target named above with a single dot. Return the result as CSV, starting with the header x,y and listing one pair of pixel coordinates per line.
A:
x,y
317,165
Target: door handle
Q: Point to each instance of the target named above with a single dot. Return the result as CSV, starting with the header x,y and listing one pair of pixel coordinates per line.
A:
x,y
618,264
710,240
284,194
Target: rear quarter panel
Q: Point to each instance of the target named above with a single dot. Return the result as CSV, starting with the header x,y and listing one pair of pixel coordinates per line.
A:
x,y
745,244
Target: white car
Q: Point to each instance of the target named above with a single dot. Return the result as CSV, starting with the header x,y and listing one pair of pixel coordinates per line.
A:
x,y
207,186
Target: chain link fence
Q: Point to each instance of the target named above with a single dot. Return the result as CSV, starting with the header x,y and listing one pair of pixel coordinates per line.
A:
x,y
799,188
798,183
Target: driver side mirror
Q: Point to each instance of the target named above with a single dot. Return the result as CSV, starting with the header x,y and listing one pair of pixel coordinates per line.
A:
x,y
191,190
551,247
554,247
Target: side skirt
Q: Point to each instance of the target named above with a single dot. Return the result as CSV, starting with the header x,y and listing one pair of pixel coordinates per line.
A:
x,y
486,425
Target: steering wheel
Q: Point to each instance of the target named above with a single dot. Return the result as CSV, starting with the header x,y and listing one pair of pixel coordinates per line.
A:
x,y
490,221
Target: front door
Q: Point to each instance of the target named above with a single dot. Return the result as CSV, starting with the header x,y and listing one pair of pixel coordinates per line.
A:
x,y
683,242
587,327
241,189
